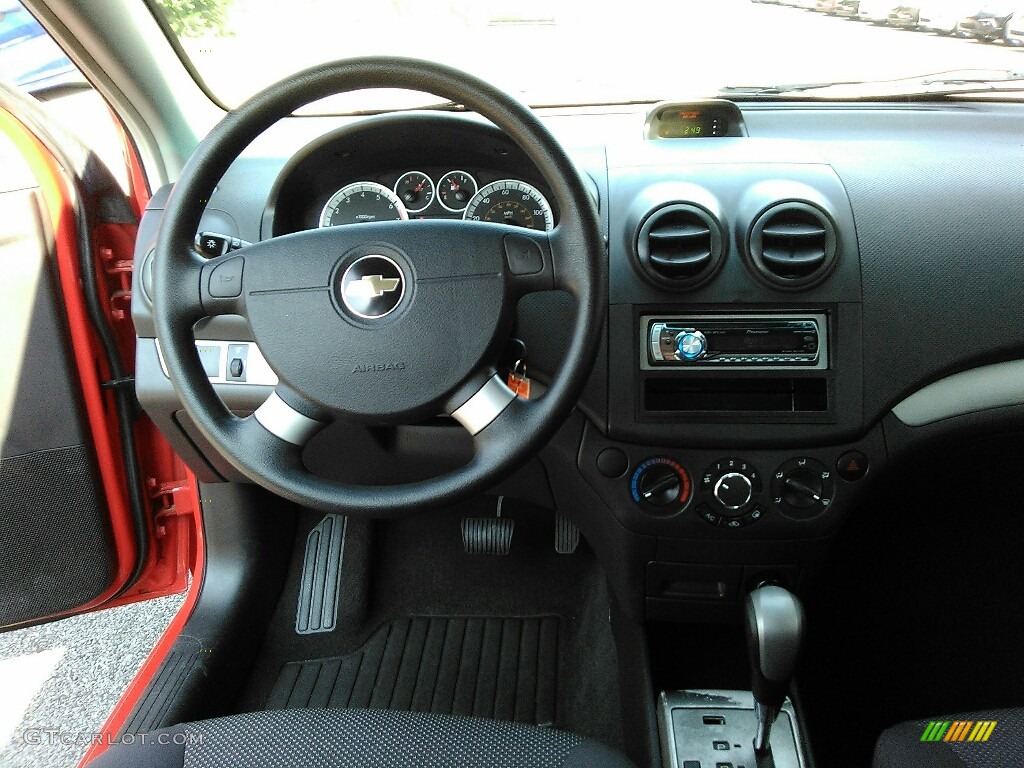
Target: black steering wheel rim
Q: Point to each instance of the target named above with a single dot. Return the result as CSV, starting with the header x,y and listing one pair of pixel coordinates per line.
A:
x,y
522,428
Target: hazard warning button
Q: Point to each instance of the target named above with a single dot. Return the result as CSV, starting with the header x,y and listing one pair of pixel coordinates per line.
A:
x,y
852,466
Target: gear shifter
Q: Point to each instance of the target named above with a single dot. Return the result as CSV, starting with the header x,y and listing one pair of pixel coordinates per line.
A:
x,y
775,624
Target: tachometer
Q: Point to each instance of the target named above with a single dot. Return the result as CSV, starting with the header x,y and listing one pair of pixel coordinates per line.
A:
x,y
362,202
415,190
455,190
511,202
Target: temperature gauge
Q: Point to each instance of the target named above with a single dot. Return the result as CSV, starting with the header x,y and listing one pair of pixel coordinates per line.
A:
x,y
415,190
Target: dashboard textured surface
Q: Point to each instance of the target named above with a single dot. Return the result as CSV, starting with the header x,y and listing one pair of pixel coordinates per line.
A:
x,y
940,232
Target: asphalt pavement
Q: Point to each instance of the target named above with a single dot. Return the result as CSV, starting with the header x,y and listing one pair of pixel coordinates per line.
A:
x,y
59,681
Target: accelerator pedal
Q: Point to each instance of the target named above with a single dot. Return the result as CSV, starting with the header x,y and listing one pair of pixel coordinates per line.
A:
x,y
567,535
317,609
488,535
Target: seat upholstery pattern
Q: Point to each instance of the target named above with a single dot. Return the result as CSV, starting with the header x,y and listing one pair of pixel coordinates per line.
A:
x,y
323,738
901,745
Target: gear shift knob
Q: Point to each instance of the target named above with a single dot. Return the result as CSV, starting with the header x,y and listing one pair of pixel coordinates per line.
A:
x,y
775,625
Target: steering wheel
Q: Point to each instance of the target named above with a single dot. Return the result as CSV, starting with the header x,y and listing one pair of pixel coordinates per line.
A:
x,y
379,323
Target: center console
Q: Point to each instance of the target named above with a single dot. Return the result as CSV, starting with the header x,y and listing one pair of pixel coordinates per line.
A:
x,y
735,433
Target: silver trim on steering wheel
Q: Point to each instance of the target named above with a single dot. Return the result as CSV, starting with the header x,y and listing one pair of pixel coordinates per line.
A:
x,y
283,421
485,406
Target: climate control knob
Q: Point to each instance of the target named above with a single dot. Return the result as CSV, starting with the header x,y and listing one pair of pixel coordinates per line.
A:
x,y
734,490
691,345
661,485
803,488
732,484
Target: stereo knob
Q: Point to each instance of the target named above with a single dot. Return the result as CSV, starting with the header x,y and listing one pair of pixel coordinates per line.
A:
x,y
733,490
690,345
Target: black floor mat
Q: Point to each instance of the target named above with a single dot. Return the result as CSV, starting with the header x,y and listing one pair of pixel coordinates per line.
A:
x,y
418,567
503,668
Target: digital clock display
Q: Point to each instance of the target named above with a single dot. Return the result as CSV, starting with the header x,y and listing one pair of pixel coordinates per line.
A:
x,y
708,119
688,124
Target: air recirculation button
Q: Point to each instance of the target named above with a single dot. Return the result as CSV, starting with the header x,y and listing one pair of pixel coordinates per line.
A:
x,y
679,245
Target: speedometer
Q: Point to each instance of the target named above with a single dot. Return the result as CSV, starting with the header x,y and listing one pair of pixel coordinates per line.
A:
x,y
362,202
511,202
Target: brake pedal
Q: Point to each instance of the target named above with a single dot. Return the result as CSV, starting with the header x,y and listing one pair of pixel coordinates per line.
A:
x,y
488,535
567,535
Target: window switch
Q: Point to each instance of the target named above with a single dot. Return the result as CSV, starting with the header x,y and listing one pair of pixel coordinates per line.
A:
x,y
237,368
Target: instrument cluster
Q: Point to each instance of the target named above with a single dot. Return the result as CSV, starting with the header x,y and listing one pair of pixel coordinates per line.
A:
x,y
451,193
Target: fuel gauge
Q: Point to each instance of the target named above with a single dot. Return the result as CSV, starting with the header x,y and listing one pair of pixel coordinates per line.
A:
x,y
416,190
456,188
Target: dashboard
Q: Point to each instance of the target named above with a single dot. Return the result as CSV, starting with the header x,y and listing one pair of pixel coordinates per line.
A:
x,y
790,308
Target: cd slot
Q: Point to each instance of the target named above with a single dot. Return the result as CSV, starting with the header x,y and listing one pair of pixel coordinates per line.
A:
x,y
712,393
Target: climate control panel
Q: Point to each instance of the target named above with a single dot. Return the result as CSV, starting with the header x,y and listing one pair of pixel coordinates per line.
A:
x,y
730,493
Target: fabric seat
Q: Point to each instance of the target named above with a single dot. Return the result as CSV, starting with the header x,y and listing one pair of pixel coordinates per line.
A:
x,y
360,738
904,745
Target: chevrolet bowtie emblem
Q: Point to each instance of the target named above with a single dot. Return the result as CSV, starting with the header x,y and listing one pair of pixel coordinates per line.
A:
x,y
371,286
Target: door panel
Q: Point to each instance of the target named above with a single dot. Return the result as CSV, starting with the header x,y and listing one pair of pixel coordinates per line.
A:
x,y
55,549
96,510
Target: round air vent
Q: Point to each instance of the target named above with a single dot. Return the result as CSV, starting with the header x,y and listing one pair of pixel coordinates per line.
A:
x,y
679,245
793,244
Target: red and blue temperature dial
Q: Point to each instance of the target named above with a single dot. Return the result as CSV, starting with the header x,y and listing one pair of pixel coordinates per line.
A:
x,y
661,484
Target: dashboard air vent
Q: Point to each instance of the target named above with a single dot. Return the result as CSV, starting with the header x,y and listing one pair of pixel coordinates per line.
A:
x,y
793,244
679,245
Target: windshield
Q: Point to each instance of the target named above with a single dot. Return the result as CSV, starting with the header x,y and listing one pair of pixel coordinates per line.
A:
x,y
558,52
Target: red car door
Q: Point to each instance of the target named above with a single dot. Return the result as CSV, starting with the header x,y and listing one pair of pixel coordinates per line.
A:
x,y
95,509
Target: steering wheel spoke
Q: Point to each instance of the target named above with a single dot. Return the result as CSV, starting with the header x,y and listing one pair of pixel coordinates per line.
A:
x,y
484,406
289,417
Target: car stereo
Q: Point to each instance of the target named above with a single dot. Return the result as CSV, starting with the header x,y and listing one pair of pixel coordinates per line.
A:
x,y
734,341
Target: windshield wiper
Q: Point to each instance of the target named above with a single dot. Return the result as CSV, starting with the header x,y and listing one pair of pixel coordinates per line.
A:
x,y
946,83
